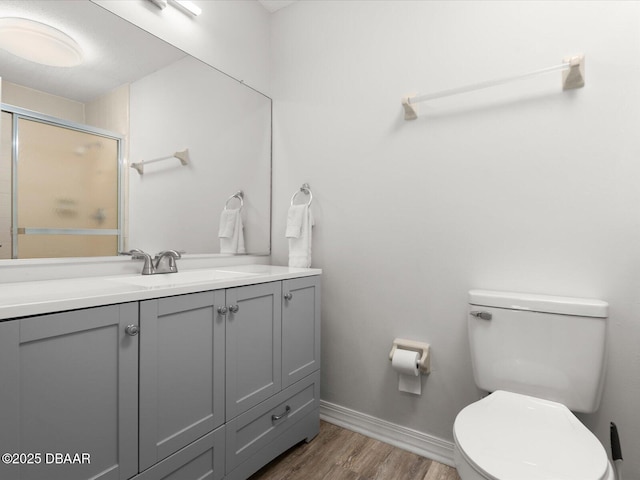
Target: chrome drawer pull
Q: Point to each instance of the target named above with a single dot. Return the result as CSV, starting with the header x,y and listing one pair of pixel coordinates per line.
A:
x,y
275,418
234,308
482,315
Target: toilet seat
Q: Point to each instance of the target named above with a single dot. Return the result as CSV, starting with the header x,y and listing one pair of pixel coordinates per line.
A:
x,y
508,436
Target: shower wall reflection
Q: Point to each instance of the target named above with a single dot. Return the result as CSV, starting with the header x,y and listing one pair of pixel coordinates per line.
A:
x,y
5,187
66,190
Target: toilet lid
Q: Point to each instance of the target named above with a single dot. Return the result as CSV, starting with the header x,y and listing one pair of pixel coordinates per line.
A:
x,y
512,436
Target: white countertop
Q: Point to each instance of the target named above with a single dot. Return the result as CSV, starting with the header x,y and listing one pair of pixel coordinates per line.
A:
x,y
32,298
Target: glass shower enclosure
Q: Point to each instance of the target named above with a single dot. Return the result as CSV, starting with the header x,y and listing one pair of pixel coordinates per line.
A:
x,y
65,187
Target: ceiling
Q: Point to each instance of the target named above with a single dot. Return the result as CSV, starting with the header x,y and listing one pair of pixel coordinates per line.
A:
x,y
115,51
274,5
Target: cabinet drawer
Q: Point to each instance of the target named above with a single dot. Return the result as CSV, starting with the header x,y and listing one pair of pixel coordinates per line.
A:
x,y
201,460
249,432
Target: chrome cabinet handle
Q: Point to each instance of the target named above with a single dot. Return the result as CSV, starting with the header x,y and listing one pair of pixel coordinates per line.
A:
x,y
275,418
234,308
482,315
288,296
131,330
222,310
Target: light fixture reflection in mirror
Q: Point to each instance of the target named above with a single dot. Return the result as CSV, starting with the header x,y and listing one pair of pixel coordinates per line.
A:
x,y
38,42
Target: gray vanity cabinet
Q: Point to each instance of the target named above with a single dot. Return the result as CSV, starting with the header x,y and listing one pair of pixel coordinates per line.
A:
x,y
70,386
206,385
284,397
253,345
182,360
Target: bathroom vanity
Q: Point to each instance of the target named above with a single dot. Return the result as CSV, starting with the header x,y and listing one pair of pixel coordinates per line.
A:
x,y
200,374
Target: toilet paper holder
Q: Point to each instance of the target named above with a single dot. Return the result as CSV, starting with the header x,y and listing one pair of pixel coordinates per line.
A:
x,y
424,364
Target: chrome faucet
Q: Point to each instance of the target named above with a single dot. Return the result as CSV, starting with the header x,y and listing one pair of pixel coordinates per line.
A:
x,y
163,262
137,254
166,262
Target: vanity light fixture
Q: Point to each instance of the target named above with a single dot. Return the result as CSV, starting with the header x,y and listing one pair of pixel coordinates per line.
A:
x,y
161,4
39,42
184,5
191,7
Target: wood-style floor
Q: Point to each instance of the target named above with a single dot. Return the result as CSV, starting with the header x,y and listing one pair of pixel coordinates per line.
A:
x,y
340,454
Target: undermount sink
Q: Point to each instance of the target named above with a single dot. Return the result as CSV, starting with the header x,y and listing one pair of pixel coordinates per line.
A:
x,y
181,278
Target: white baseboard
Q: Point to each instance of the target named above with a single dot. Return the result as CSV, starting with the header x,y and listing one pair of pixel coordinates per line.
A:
x,y
402,437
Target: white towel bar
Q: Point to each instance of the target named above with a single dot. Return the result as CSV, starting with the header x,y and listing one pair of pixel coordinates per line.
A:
x,y
183,156
572,77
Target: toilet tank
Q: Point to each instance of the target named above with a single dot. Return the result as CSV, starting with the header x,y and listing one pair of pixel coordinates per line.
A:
x,y
544,346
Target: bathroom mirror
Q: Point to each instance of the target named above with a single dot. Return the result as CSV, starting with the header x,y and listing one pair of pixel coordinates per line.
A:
x,y
158,101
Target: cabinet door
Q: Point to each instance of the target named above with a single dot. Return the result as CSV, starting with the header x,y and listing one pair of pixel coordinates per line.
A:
x,y
9,394
181,372
300,328
72,385
253,345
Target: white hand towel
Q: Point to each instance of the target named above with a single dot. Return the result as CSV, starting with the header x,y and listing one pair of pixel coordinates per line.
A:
x,y
227,223
233,243
294,220
300,247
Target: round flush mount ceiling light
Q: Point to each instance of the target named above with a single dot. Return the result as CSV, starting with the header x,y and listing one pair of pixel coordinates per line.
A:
x,y
39,42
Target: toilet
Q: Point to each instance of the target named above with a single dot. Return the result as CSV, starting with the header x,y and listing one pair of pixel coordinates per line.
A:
x,y
540,358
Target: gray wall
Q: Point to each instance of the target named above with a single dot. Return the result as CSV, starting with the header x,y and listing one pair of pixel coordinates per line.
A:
x,y
521,187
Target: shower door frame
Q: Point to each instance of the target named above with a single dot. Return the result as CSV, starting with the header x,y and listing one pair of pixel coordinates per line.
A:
x,y
18,113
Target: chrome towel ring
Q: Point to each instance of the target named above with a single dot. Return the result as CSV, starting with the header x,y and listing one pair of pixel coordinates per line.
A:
x,y
239,195
305,188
